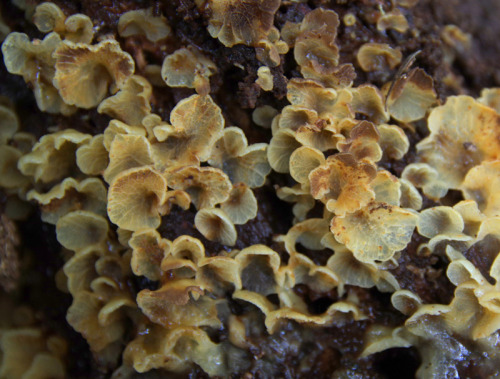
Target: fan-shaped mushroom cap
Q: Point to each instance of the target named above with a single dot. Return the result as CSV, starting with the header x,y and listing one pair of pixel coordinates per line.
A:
x,y
215,225
375,232
131,103
304,160
393,20
241,163
92,158
378,57
439,220
49,17
10,176
463,134
363,143
179,303
247,22
70,195
81,229
79,29
53,157
184,257
187,67
387,188
143,22
481,185
85,73
368,100
308,233
135,198
127,151
281,147
343,183
491,98
197,123
424,176
116,127
410,197
80,269
148,250
393,141
207,186
411,96
263,116
241,205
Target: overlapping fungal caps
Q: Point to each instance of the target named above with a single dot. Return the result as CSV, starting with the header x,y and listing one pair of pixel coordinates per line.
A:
x,y
146,297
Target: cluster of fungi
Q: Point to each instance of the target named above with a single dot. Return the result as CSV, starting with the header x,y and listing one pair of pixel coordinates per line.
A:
x,y
246,188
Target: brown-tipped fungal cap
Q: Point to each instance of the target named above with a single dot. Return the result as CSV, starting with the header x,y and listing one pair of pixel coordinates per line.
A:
x,y
71,195
49,17
197,123
343,183
481,185
143,22
187,67
92,158
53,157
241,205
463,134
368,100
85,73
247,22
363,143
135,197
148,250
127,151
131,103
241,163
311,94
215,225
80,229
375,232
393,141
207,186
378,57
411,97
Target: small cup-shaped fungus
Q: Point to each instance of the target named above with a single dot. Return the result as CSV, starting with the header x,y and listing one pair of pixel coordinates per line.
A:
x,y
80,229
343,183
439,220
148,250
215,225
187,67
241,205
207,186
53,156
386,187
378,57
369,101
463,133
71,195
263,116
135,198
92,158
481,184
80,269
265,78
127,151
49,17
393,20
10,176
241,163
183,257
79,29
143,22
85,73
197,123
424,176
281,147
246,22
131,103
412,95
393,141
304,160
375,232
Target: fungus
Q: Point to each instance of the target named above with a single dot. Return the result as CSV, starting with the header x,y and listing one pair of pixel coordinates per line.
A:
x,y
127,151
80,229
424,176
85,73
49,17
343,183
378,57
463,133
10,176
411,96
491,98
207,186
148,250
92,157
368,100
363,143
481,185
131,103
387,188
71,195
135,198
53,156
439,220
241,22
301,196
116,127
215,225
9,122
197,123
184,254
281,147
80,269
410,197
187,67
393,141
263,116
264,78
393,20
79,29
241,205
304,160
240,162
143,22
375,232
